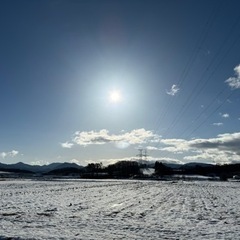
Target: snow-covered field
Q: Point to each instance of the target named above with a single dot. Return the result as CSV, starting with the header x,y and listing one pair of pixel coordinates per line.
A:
x,y
119,210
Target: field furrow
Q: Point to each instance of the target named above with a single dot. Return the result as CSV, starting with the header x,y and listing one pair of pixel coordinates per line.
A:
x,y
119,210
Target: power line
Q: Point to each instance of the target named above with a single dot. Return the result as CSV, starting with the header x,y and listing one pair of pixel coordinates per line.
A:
x,y
190,63
203,111
183,110
206,119
188,102
210,115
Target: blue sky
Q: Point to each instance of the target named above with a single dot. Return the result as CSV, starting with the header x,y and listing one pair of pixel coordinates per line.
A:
x,y
175,65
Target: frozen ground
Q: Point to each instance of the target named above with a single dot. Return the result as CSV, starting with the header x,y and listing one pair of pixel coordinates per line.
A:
x,y
119,210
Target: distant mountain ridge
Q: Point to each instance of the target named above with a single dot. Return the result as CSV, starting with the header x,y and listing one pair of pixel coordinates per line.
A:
x,y
151,164
123,169
38,168
20,166
195,164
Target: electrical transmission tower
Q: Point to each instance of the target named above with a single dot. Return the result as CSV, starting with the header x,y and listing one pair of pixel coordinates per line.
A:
x,y
142,155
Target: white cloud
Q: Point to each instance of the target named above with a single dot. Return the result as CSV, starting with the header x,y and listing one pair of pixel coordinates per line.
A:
x,y
75,161
175,145
222,149
3,154
67,145
137,136
214,155
173,91
152,148
234,82
40,162
109,161
218,124
12,153
106,162
225,115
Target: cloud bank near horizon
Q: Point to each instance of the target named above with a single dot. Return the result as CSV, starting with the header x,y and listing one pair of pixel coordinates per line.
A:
x,y
224,148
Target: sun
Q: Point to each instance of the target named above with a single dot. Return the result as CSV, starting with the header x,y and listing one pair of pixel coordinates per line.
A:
x,y
115,96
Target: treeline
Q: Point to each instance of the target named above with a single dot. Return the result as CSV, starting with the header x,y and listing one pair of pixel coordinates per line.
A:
x,y
134,169
122,169
128,169
222,171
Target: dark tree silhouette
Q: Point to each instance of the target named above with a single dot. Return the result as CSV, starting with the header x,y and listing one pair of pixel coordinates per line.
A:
x,y
161,169
124,169
94,167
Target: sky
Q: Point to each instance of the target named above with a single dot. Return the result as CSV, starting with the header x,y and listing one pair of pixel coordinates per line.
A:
x,y
95,81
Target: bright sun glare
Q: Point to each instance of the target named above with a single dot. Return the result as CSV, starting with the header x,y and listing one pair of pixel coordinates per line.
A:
x,y
115,96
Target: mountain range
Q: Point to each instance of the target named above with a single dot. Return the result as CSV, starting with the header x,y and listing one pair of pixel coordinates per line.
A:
x,y
20,166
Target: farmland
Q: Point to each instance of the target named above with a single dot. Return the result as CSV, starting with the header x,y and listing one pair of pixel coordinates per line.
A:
x,y
119,209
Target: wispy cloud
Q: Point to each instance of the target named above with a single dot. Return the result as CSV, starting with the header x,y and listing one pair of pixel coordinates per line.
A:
x,y
152,148
234,82
218,124
173,91
122,140
12,153
67,145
